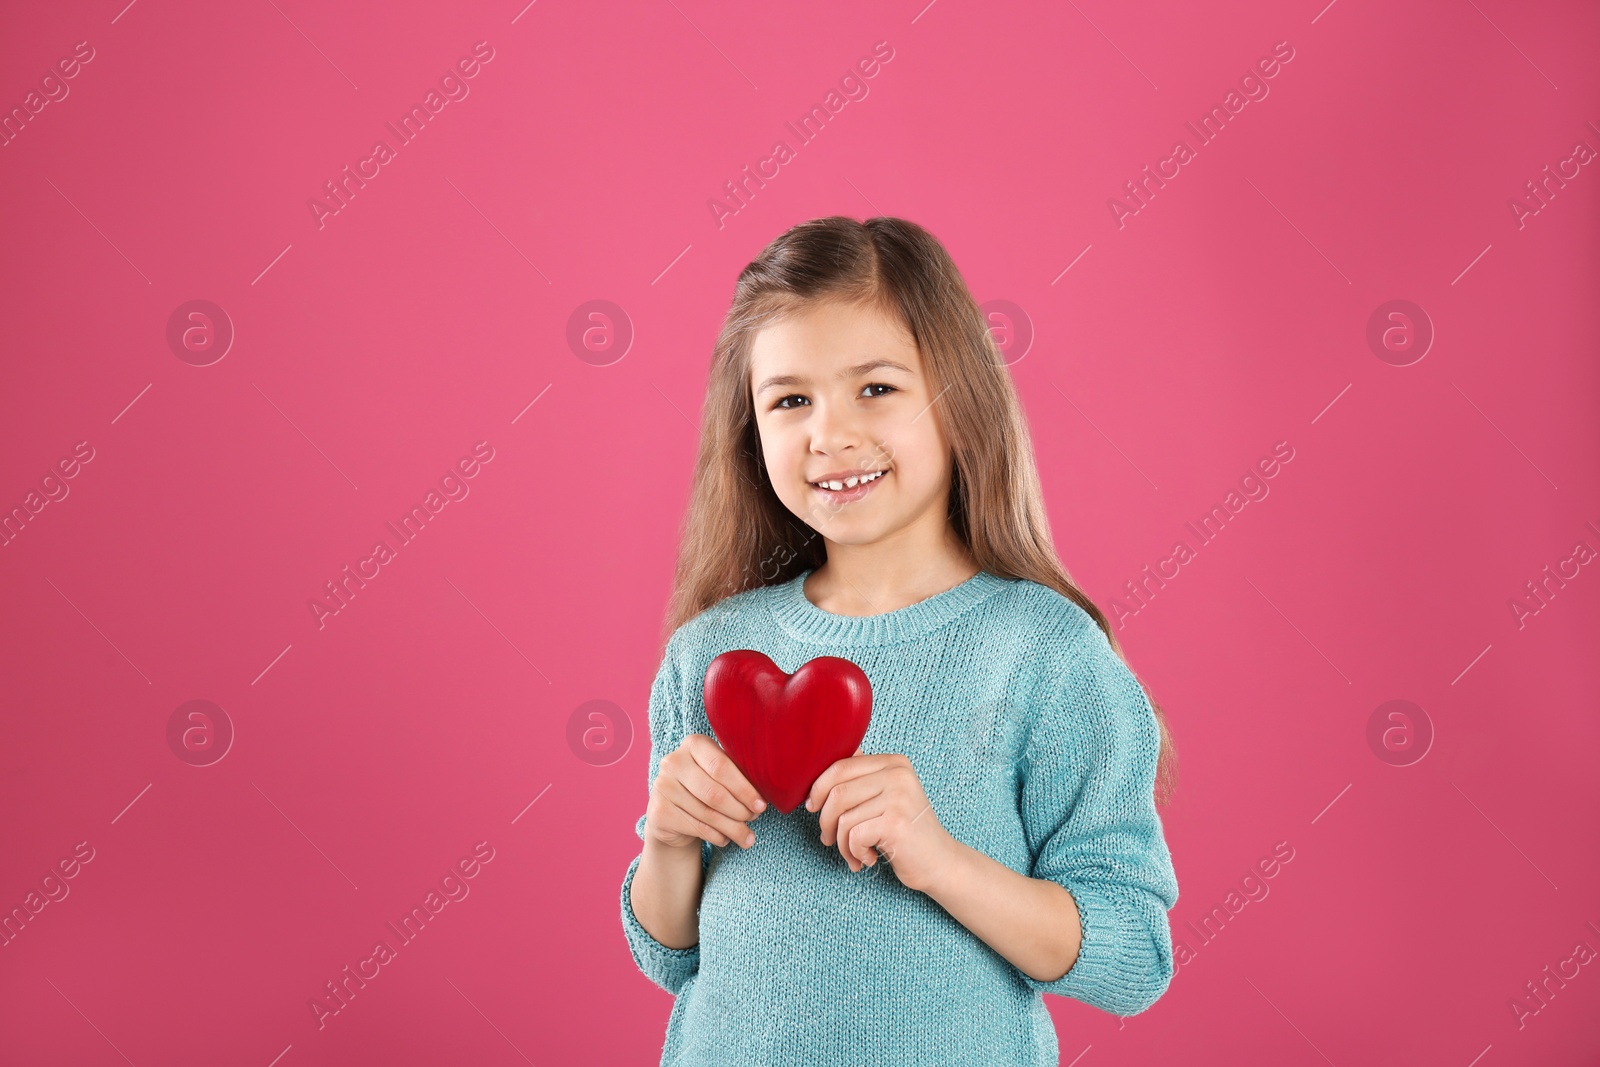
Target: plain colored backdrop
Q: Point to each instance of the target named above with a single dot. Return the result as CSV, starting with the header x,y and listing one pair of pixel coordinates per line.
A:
x,y
1159,354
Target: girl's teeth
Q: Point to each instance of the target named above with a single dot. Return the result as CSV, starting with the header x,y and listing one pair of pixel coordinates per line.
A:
x,y
852,481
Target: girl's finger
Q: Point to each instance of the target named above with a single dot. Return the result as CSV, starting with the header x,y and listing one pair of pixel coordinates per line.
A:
x,y
720,767
677,820
842,771
696,828
855,845
866,836
842,798
714,791
685,792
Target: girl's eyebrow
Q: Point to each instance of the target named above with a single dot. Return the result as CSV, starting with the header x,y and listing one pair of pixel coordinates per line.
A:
x,y
849,372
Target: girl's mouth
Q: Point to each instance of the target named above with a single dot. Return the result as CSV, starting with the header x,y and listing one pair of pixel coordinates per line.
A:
x,y
846,493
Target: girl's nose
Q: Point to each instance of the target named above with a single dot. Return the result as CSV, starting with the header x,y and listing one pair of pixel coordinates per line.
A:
x,y
834,432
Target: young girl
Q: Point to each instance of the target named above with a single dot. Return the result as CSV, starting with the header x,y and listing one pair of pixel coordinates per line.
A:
x,y
866,488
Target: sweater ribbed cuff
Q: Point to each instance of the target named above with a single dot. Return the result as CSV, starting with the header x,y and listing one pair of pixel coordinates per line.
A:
x,y
1124,964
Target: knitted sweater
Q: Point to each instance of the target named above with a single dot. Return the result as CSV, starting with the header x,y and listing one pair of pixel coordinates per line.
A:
x,y
1035,745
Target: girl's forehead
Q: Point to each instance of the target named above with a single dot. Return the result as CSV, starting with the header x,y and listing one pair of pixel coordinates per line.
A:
x,y
831,335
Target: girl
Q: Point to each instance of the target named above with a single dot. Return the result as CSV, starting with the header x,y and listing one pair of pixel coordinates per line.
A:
x,y
866,488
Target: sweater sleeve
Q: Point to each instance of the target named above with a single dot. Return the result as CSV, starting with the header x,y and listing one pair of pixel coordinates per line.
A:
x,y
1088,811
668,968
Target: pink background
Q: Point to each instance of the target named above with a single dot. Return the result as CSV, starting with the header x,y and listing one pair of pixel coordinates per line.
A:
x,y
432,712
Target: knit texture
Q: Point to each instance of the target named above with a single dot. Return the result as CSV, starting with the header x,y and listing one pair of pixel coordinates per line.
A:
x,y
1035,745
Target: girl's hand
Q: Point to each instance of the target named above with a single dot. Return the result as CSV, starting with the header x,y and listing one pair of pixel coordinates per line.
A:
x,y
700,795
876,803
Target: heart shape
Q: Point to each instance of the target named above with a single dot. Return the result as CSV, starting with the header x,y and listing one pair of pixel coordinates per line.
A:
x,y
783,730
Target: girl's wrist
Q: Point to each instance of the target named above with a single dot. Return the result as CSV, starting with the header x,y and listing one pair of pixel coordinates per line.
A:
x,y
692,847
947,866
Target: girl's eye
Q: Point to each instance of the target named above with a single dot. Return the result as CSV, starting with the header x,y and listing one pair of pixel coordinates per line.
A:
x,y
783,402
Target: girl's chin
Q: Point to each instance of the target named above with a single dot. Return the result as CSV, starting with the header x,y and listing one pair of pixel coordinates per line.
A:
x,y
845,528
855,534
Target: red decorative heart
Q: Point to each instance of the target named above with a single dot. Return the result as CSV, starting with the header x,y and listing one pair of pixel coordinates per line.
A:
x,y
784,730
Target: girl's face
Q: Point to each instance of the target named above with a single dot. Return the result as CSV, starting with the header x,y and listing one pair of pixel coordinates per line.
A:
x,y
840,396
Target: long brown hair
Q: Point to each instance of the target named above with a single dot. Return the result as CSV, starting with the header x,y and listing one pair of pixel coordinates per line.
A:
x,y
737,534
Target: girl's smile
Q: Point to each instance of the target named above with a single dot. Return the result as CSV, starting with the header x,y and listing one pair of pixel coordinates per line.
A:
x,y
843,487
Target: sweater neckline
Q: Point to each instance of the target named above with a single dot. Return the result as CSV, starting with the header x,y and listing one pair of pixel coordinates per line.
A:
x,y
803,620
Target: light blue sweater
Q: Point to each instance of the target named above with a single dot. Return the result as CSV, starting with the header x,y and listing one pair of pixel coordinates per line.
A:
x,y
1036,746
